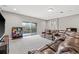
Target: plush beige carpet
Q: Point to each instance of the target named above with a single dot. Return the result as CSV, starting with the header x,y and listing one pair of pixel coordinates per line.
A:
x,y
23,45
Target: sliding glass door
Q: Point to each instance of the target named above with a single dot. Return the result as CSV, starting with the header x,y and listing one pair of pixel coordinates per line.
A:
x,y
29,28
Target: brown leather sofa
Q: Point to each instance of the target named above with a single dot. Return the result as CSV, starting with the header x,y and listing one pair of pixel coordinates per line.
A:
x,y
70,45
67,45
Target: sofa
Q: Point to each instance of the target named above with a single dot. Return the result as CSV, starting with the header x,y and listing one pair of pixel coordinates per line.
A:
x,y
67,43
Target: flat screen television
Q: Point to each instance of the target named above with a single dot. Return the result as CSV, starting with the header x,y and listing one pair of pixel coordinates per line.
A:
x,y
2,26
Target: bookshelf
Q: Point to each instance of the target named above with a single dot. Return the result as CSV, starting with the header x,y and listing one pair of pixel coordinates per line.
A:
x,y
17,32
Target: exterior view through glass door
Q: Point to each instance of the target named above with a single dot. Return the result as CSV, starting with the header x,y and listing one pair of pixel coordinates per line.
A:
x,y
29,28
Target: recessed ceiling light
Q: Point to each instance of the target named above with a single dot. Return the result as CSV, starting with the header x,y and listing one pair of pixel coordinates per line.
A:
x,y
14,9
50,10
61,12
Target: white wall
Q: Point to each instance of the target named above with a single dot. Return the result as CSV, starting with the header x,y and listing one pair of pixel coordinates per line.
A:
x,y
66,22
70,21
15,20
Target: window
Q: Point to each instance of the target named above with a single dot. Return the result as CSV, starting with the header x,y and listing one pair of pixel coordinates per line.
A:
x,y
29,28
55,24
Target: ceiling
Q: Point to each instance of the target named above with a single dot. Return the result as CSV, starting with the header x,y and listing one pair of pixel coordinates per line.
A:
x,y
41,11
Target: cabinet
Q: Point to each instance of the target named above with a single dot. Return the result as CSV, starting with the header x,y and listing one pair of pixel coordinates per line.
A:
x,y
4,45
17,32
